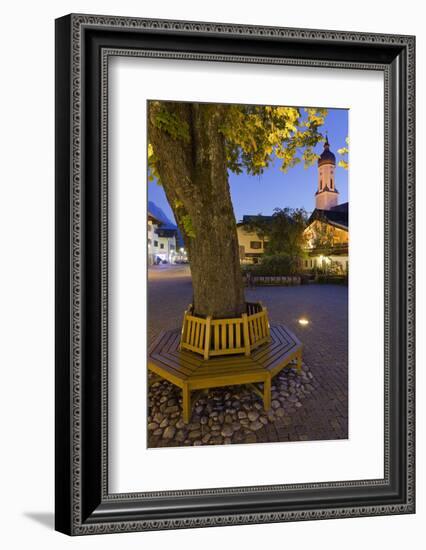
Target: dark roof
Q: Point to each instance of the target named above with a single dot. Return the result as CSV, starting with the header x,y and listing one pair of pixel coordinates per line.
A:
x,y
338,215
249,218
154,219
157,213
166,231
326,157
326,188
344,207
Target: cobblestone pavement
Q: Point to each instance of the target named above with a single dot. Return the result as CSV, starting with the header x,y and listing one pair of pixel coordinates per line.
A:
x,y
322,412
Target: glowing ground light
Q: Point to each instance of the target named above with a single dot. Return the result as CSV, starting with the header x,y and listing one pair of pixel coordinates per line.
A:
x,y
303,321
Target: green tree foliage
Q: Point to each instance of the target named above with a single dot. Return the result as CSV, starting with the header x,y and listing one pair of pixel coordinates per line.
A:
x,y
260,225
286,233
283,238
255,135
344,152
323,236
280,264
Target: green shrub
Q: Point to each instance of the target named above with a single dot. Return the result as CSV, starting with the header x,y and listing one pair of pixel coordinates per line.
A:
x,y
332,279
273,266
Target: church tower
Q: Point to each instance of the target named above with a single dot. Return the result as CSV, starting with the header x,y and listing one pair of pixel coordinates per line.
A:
x,y
327,195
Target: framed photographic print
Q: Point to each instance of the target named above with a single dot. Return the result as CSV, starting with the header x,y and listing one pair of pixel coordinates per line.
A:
x,y
234,274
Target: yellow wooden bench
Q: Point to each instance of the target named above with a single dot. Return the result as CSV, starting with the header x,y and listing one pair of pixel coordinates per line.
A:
x,y
191,371
212,337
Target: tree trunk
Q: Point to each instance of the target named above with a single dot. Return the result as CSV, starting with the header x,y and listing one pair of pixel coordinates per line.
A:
x,y
194,175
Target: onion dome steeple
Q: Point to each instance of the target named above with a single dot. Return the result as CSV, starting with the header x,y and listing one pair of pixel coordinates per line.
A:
x,y
327,157
327,195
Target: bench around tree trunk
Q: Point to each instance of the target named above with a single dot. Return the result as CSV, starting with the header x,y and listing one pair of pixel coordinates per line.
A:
x,y
191,372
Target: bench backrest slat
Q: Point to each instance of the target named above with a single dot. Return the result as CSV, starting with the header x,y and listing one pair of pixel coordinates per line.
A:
x,y
210,337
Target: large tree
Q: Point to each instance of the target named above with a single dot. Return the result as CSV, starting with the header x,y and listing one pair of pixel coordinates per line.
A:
x,y
192,147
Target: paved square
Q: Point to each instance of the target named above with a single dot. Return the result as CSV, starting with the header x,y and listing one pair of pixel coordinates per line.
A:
x,y
322,411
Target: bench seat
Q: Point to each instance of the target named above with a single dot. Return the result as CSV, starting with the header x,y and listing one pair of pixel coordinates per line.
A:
x,y
190,371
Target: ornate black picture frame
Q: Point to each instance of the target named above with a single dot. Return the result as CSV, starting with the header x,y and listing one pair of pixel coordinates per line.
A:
x,y
83,45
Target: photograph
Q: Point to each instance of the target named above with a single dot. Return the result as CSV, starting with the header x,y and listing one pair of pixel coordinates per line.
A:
x,y
248,271
209,291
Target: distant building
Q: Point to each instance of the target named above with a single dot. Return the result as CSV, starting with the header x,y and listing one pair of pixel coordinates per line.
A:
x,y
166,249
153,224
251,243
161,241
327,233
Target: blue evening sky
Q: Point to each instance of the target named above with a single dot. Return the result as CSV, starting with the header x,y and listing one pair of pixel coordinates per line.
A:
x,y
294,189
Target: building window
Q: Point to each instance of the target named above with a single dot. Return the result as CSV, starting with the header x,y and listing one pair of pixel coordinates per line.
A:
x,y
155,243
256,244
162,245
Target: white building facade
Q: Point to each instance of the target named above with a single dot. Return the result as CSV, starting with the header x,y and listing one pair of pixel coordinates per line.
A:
x,y
161,241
